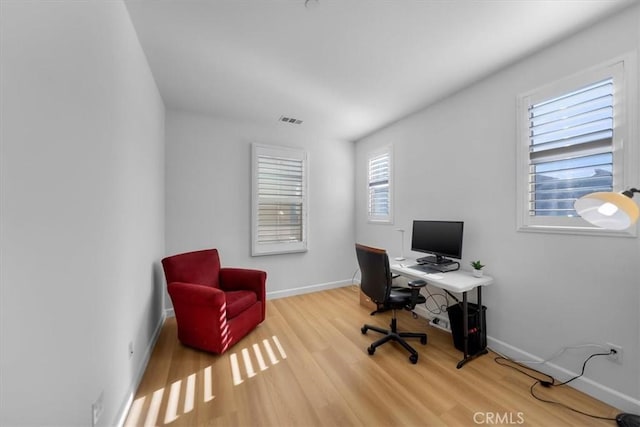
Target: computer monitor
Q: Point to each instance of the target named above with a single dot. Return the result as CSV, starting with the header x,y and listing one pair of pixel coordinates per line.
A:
x,y
442,239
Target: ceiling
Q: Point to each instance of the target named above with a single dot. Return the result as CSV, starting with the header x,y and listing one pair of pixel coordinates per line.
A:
x,y
344,67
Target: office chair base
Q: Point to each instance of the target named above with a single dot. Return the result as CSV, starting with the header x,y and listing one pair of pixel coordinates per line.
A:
x,y
628,420
399,337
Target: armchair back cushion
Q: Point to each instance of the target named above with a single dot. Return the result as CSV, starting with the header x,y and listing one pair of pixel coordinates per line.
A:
x,y
199,268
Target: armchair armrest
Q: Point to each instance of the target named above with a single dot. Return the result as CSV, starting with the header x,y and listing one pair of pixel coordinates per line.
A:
x,y
190,294
201,314
236,279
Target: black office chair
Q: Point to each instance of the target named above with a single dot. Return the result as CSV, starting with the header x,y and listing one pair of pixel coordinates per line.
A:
x,y
376,283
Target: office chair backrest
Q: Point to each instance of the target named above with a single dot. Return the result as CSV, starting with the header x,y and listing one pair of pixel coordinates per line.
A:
x,y
375,273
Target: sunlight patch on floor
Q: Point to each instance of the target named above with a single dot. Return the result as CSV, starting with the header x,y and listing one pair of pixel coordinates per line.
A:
x,y
135,412
248,358
185,387
172,404
235,369
154,408
256,350
208,385
246,363
190,393
279,346
270,353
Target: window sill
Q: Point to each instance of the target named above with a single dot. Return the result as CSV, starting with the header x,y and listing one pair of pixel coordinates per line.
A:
x,y
578,230
380,221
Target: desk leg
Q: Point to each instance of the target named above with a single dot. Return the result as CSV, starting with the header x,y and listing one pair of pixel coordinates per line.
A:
x,y
483,340
465,329
465,324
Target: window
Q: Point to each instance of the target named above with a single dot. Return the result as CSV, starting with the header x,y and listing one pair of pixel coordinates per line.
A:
x,y
571,142
379,187
571,148
279,205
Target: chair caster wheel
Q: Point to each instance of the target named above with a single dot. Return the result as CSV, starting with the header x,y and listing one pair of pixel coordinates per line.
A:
x,y
413,358
363,330
371,350
423,340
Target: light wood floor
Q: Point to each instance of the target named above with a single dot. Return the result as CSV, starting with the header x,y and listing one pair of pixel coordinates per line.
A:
x,y
307,365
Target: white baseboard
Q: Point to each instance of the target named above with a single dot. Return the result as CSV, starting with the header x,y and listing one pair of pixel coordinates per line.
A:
x,y
168,312
126,405
308,289
585,385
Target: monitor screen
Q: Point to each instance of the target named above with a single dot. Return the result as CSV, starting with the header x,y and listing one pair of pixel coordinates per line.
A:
x,y
440,238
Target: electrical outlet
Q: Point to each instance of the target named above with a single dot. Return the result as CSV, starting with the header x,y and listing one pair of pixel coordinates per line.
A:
x,y
96,409
130,349
440,323
617,356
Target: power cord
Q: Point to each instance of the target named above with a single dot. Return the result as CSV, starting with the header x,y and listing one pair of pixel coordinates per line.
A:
x,y
353,280
584,366
561,352
440,308
551,382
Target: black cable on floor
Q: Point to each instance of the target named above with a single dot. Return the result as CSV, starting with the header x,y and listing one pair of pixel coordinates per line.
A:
x,y
551,382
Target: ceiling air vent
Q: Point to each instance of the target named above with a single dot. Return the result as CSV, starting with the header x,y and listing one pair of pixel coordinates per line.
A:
x,y
290,120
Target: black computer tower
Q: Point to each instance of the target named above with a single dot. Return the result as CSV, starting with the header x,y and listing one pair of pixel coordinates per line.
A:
x,y
477,336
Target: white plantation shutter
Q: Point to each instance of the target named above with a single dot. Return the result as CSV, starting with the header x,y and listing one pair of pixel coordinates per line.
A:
x,y
574,135
379,186
279,200
571,148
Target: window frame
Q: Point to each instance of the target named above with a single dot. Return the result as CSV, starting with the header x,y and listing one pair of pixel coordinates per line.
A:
x,y
258,248
380,219
624,142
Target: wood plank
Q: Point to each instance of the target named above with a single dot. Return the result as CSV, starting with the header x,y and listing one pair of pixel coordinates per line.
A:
x,y
307,365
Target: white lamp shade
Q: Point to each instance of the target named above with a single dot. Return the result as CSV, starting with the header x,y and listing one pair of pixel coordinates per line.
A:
x,y
613,211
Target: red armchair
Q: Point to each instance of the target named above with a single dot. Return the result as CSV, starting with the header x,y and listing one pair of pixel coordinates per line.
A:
x,y
214,307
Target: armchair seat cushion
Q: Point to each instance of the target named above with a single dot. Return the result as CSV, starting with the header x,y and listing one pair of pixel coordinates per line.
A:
x,y
238,302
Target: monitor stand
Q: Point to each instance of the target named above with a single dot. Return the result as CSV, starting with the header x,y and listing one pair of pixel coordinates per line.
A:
x,y
435,259
439,263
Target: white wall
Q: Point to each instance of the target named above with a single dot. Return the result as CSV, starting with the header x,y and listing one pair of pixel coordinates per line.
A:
x,y
208,199
82,211
457,160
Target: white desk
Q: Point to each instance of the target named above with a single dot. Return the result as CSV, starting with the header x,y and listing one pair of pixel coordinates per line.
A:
x,y
453,281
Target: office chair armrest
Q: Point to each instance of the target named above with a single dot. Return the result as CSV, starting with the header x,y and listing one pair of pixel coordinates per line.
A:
x,y
415,286
418,283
